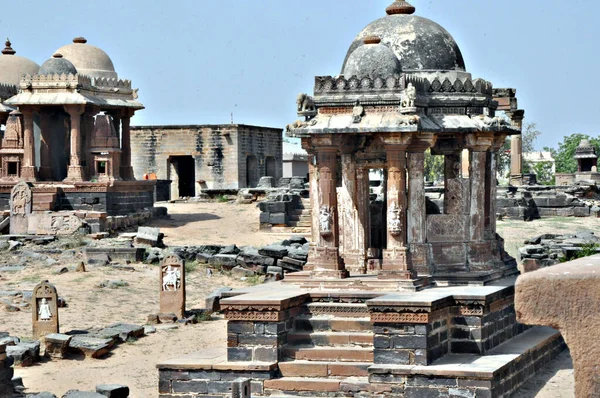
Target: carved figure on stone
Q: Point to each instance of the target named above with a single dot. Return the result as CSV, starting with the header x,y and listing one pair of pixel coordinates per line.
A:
x,y
394,220
325,219
357,112
44,312
171,277
494,121
298,124
306,105
409,96
21,199
409,121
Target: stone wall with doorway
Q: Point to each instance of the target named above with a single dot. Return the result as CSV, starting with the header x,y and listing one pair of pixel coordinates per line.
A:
x,y
230,156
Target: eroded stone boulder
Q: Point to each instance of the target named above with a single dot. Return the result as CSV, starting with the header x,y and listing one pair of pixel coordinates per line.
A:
x,y
566,297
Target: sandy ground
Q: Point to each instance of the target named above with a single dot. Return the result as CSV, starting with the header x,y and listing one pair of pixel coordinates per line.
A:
x,y
133,364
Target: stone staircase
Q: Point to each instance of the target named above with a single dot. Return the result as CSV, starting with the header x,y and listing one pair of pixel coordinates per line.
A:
x,y
329,352
299,222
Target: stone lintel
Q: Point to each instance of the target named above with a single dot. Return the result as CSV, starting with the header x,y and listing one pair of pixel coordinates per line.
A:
x,y
265,307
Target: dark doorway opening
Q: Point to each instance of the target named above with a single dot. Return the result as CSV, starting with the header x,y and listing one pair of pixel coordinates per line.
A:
x,y
252,175
271,167
183,176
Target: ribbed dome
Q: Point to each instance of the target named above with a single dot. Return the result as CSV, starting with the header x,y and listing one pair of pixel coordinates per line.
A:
x,y
419,43
13,66
88,60
57,65
372,59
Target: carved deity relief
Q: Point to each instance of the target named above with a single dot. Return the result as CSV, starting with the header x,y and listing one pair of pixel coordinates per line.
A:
x,y
357,112
171,278
409,96
21,199
394,220
44,313
325,220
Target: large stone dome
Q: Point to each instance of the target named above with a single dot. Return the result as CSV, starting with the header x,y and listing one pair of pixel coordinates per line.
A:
x,y
13,66
88,60
373,59
419,43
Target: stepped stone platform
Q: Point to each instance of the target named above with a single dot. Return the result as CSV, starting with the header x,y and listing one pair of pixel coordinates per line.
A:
x,y
286,340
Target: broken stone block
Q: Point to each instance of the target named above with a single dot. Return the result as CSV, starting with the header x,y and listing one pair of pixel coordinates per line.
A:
x,y
275,251
275,270
21,355
120,332
167,318
153,319
57,345
212,302
44,394
231,249
91,347
240,388
147,236
241,271
227,261
80,267
82,394
278,218
113,390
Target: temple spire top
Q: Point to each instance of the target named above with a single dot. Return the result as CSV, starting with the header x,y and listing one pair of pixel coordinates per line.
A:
x,y
8,49
400,7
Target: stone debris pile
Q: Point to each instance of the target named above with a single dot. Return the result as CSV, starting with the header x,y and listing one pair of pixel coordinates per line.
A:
x,y
552,249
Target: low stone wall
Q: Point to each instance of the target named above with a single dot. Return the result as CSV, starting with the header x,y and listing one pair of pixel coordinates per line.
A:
x,y
551,249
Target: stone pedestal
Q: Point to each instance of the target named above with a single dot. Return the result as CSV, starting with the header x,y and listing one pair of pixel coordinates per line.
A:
x,y
172,286
56,345
44,310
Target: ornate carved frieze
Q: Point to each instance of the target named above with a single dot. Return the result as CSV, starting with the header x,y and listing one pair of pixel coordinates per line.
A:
x,y
330,84
336,309
325,220
470,310
458,85
395,317
260,316
394,219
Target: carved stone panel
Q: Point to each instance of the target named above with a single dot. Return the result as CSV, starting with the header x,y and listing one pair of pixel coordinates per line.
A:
x,y
457,196
447,228
54,224
44,310
172,286
21,200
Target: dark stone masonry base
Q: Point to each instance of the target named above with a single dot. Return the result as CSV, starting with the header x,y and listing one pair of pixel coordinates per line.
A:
x,y
440,342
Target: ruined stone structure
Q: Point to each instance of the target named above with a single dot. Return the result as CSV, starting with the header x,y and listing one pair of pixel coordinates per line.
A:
x,y
67,128
200,157
399,331
587,167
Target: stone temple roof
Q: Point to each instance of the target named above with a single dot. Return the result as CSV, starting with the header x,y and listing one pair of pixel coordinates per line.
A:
x,y
372,59
419,43
57,65
13,66
585,150
89,60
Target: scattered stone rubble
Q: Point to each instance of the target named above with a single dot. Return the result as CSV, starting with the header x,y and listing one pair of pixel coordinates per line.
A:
x,y
551,249
102,391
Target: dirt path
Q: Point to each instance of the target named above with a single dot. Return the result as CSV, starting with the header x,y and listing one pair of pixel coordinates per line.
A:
x,y
133,364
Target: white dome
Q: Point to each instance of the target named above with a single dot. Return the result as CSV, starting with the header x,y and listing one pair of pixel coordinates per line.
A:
x,y
13,66
88,60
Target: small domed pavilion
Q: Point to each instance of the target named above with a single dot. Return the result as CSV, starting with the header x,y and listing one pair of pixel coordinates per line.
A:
x,y
404,89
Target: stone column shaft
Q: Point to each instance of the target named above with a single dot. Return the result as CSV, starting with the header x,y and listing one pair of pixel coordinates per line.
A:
x,y
396,263
28,171
516,155
477,209
45,150
363,207
417,212
325,258
126,169
492,189
75,171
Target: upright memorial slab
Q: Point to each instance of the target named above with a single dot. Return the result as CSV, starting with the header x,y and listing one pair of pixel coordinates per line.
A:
x,y
44,310
21,200
172,286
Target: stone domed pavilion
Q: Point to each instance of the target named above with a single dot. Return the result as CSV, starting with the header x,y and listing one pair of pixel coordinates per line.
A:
x,y
434,316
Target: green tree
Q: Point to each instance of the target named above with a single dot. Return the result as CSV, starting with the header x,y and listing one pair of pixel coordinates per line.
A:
x,y
434,167
565,154
544,173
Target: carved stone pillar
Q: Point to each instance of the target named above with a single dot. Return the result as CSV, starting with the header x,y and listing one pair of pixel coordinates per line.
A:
x,y
324,258
351,232
363,209
479,145
28,171
516,148
396,262
417,212
498,143
75,171
126,169
45,150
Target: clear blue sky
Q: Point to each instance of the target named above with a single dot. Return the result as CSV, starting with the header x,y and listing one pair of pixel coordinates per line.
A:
x,y
196,61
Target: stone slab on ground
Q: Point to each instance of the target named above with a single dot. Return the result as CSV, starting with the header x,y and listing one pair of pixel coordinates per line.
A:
x,y
91,347
57,345
120,331
113,390
82,394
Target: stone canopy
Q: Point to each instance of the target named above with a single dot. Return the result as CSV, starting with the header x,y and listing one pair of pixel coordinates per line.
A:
x,y
385,115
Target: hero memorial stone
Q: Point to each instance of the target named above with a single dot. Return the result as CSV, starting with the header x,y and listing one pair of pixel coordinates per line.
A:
x,y
172,286
21,200
44,310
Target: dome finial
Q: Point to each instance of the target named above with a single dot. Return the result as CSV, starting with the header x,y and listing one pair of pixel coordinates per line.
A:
x,y
80,40
8,49
400,7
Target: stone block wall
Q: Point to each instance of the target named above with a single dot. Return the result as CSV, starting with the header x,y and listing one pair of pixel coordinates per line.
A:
x,y
257,341
6,373
220,153
209,383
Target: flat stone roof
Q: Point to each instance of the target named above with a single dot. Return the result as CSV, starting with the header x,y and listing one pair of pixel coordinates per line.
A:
x,y
201,126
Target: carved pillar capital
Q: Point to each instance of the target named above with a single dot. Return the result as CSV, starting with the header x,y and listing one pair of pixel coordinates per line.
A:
x,y
479,142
